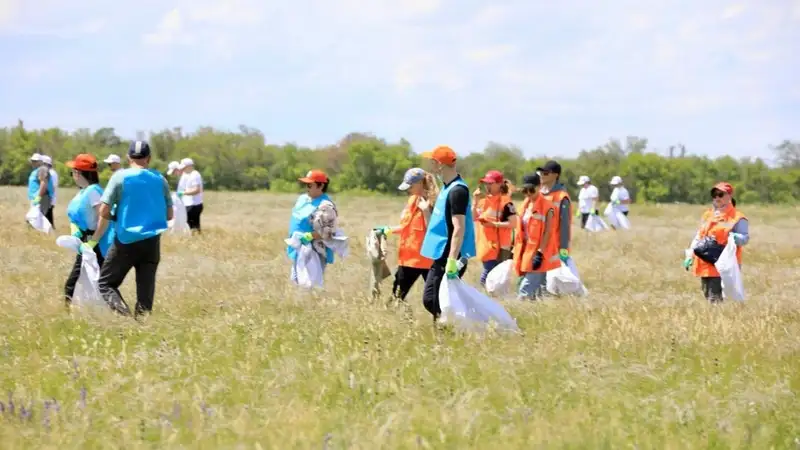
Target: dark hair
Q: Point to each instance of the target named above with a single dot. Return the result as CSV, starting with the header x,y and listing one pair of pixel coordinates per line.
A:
x,y
504,187
324,186
733,202
91,177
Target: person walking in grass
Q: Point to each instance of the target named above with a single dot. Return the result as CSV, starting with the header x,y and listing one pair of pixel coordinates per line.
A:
x,y
190,191
495,218
587,200
41,188
48,162
620,199
450,237
83,213
554,191
142,200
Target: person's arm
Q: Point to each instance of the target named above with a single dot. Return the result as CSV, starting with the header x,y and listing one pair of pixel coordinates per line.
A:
x,y
426,211
458,199
548,221
110,197
595,195
195,184
508,217
565,219
476,200
742,231
168,199
44,174
624,197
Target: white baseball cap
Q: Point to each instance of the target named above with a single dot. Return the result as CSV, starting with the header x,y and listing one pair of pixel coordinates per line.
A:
x,y
616,180
185,162
36,157
583,180
172,167
112,158
47,160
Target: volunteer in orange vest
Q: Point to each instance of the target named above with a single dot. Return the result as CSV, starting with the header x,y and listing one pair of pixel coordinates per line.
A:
x,y
495,219
535,243
720,223
554,191
411,265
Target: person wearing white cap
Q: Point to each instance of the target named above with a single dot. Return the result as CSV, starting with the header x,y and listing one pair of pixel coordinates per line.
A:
x,y
174,168
587,199
190,191
620,197
41,188
114,162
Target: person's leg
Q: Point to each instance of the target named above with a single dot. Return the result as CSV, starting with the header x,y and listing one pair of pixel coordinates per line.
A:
x,y
625,213
190,217
197,218
487,267
532,286
584,218
49,216
72,280
149,255
712,288
430,293
404,279
117,264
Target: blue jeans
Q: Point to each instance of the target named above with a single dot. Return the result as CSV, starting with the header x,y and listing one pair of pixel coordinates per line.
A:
x,y
487,267
532,286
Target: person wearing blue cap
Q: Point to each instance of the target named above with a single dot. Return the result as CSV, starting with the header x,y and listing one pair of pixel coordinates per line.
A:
x,y
143,206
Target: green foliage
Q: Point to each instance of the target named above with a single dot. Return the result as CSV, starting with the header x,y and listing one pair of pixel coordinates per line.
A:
x,y
243,161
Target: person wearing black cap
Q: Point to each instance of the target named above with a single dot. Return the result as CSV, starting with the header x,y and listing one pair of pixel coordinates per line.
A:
x,y
143,206
554,191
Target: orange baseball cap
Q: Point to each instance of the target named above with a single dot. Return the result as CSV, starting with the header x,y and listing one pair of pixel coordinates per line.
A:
x,y
724,187
314,176
441,154
84,162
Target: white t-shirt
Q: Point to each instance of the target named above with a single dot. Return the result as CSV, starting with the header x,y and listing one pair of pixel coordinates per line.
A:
x,y
90,214
620,193
586,199
190,181
54,174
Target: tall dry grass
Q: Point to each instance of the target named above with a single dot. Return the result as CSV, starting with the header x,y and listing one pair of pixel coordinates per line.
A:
x,y
234,358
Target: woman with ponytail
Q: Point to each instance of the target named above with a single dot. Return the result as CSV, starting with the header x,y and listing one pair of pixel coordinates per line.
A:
x,y
411,265
496,218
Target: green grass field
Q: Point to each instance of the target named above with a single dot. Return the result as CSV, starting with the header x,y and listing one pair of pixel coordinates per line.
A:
x,y
233,357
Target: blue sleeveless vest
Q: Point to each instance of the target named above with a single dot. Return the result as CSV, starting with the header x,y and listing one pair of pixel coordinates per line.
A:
x,y
436,237
301,221
142,209
33,185
76,212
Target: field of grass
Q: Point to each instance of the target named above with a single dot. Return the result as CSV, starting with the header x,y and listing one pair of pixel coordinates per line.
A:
x,y
233,357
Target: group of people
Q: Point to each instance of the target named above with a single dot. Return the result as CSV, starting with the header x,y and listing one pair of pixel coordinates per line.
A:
x,y
589,197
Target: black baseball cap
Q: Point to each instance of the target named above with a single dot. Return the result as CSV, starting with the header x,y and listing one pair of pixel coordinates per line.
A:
x,y
550,166
139,149
531,181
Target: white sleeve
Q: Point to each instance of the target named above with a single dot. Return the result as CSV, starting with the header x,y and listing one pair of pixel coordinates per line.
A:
x,y
95,197
623,194
195,180
594,193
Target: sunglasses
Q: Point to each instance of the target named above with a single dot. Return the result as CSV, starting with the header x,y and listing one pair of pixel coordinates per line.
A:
x,y
528,190
717,194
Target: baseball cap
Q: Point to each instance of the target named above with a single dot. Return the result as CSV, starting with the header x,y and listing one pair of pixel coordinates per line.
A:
x,y
36,157
583,180
441,154
314,176
47,160
531,180
139,149
412,176
84,162
186,162
724,187
550,166
172,167
112,158
616,180
493,176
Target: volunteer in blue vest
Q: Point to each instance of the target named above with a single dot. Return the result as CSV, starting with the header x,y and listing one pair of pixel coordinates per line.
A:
x,y
450,236
41,188
143,207
313,207
83,213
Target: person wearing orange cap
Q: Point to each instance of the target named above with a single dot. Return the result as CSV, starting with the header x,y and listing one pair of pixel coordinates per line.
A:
x,y
83,213
314,215
496,219
720,223
450,237
554,191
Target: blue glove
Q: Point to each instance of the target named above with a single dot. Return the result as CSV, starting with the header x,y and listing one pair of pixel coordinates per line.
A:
x,y
179,194
687,263
738,239
306,238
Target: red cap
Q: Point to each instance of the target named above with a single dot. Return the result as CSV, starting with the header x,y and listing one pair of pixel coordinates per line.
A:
x,y
314,176
441,154
84,162
493,176
724,187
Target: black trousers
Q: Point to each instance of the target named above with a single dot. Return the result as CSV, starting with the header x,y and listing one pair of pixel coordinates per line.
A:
x,y
404,279
193,216
712,288
430,295
75,273
143,256
585,217
49,216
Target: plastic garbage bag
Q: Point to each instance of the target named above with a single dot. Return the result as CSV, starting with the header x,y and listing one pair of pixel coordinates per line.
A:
x,y
469,309
178,223
615,218
498,280
728,267
308,267
376,248
565,280
596,223
86,292
38,221
622,220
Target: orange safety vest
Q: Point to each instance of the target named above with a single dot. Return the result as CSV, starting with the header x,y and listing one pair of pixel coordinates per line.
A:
x,y
490,239
412,233
528,241
717,225
556,198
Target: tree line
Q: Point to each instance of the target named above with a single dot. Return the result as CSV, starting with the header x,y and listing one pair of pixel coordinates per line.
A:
x,y
245,161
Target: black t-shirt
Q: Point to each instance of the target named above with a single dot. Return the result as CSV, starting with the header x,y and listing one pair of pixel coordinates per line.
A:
x,y
457,204
508,211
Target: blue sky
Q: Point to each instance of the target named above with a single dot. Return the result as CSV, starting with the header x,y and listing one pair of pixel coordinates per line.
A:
x,y
720,76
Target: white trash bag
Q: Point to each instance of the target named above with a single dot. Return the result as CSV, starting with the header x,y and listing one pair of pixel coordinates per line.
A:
x,y
498,280
596,223
616,219
308,267
38,221
565,280
178,223
728,267
86,289
469,309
